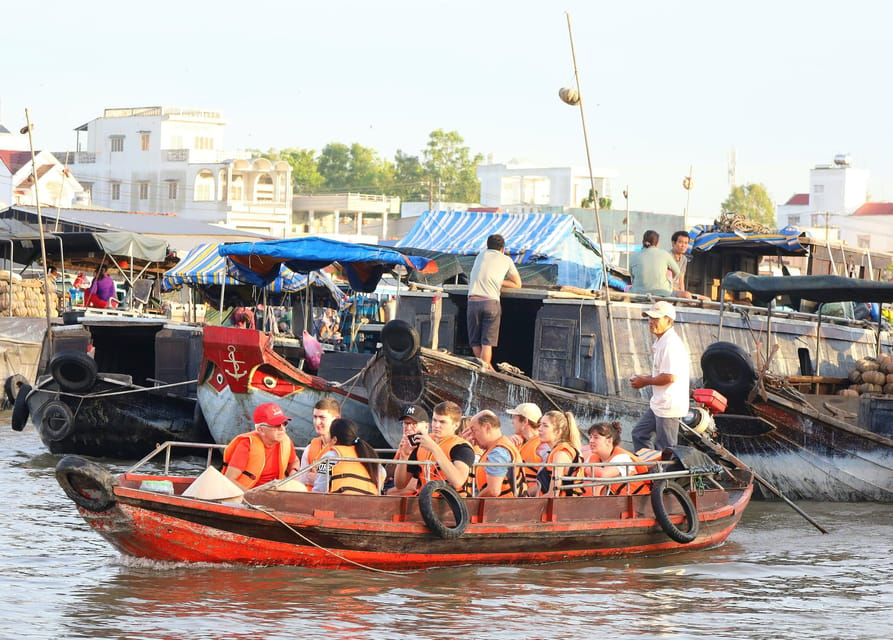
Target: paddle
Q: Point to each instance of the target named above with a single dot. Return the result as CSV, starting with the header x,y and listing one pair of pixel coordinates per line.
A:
x,y
720,450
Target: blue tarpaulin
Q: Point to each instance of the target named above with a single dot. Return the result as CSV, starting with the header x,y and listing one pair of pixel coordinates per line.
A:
x,y
203,265
546,238
260,262
704,238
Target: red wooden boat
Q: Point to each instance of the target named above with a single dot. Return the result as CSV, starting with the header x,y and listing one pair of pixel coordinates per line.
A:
x,y
690,508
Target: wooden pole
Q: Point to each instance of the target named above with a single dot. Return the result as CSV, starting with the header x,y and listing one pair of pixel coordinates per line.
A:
x,y
43,246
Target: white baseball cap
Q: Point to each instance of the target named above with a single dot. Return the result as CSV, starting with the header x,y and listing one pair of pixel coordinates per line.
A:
x,y
660,309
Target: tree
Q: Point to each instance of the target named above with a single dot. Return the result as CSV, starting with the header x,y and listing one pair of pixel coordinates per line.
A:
x,y
409,182
450,168
751,201
353,168
603,203
305,176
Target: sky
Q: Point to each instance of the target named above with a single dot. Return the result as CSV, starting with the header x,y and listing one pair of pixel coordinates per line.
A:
x,y
666,85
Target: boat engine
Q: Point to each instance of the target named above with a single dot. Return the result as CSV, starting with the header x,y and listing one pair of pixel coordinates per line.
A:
x,y
700,417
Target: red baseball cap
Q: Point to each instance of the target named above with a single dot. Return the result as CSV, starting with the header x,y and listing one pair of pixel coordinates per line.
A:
x,y
270,413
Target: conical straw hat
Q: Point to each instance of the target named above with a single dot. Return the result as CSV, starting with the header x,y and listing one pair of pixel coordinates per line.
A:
x,y
213,485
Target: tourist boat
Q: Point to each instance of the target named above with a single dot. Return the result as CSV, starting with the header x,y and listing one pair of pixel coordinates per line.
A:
x,y
813,441
244,368
165,516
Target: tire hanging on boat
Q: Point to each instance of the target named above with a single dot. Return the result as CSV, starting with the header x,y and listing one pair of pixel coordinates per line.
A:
x,y
455,502
658,488
728,369
86,483
11,387
73,371
20,408
57,421
399,341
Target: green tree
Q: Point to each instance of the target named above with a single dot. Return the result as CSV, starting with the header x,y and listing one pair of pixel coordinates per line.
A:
x,y
305,176
353,168
751,201
450,167
409,181
603,203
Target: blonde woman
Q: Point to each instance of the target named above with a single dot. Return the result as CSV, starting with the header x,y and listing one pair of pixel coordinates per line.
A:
x,y
558,431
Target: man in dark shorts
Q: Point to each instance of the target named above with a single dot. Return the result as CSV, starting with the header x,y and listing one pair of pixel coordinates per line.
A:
x,y
493,271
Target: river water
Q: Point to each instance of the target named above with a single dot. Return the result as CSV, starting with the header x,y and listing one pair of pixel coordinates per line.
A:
x,y
776,577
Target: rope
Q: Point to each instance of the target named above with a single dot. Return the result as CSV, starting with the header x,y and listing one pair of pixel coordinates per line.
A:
x,y
128,391
270,513
731,222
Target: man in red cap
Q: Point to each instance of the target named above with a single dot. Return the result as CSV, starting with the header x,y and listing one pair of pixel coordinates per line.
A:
x,y
262,455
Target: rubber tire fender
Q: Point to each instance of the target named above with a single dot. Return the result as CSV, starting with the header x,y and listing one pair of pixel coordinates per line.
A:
x,y
89,485
658,488
57,421
455,502
399,341
73,371
9,387
20,408
728,369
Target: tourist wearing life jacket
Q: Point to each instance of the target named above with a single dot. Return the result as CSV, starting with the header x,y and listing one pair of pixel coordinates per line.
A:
x,y
604,444
345,475
452,454
525,420
324,412
262,455
492,480
415,421
559,431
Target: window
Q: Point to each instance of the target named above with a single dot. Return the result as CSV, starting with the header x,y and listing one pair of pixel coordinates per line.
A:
x,y
864,242
794,220
144,140
204,186
172,189
116,191
263,192
819,188
117,144
144,190
235,192
204,142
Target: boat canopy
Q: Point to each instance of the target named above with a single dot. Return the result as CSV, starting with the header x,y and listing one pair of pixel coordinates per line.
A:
x,y
815,288
77,247
705,238
203,265
544,238
260,262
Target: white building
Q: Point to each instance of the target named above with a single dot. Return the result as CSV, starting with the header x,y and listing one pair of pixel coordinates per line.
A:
x,y
520,189
169,159
55,186
835,192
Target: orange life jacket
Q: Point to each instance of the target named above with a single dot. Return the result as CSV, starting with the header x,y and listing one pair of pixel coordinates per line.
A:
x,y
529,453
569,489
349,476
315,449
434,472
620,488
257,457
513,482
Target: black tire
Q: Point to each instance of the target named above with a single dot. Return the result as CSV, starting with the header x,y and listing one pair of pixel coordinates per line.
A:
x,y
86,483
455,502
73,371
728,368
11,387
658,488
57,421
399,341
20,408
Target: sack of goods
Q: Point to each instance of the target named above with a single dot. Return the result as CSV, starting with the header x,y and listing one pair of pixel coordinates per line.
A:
x,y
871,376
25,298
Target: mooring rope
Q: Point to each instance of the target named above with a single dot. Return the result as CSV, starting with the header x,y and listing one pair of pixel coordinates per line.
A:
x,y
107,394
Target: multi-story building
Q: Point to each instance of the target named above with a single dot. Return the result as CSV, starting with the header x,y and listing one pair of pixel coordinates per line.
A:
x,y
172,160
54,187
520,189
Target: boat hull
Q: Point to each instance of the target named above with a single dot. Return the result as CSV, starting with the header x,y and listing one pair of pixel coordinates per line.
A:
x,y
384,532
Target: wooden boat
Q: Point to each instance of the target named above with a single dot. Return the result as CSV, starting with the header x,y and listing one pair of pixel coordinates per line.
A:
x,y
403,373
146,515
814,443
244,368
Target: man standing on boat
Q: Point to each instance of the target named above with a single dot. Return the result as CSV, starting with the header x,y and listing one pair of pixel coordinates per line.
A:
x,y
658,428
493,271
648,267
262,455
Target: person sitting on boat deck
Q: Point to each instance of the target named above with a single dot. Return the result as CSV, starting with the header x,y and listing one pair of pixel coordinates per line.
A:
x,y
262,455
415,420
680,247
348,476
324,412
658,427
648,267
492,480
559,431
326,327
525,420
492,272
604,446
101,290
453,455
